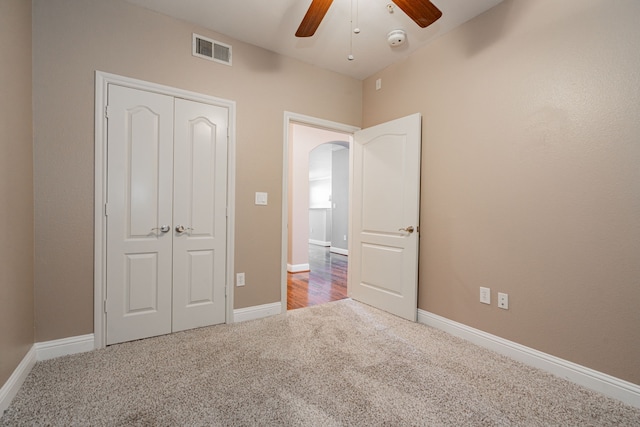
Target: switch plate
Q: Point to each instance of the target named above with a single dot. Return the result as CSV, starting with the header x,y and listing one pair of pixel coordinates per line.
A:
x,y
261,198
503,300
485,295
240,279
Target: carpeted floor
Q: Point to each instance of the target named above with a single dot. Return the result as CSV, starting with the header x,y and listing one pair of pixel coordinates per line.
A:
x,y
341,363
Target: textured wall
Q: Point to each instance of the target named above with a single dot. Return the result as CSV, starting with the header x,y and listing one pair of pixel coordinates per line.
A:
x,y
72,39
16,186
531,174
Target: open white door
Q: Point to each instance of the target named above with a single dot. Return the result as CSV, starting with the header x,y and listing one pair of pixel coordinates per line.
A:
x,y
385,207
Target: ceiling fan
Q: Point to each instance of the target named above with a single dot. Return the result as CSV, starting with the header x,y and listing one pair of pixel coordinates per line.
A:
x,y
423,12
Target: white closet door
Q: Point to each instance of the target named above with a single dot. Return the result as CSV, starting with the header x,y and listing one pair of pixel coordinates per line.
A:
x,y
139,203
200,203
166,214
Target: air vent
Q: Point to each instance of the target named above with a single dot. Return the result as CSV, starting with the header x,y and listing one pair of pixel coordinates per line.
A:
x,y
212,50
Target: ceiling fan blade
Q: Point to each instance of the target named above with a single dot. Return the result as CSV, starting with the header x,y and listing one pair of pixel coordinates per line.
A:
x,y
313,18
423,12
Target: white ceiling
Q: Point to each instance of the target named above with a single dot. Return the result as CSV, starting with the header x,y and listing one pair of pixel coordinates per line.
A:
x,y
272,24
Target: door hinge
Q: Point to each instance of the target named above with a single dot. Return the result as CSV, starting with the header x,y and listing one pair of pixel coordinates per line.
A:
x,y
107,110
105,306
106,209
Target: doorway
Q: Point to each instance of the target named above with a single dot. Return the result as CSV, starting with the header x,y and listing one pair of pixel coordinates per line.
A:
x,y
325,279
317,270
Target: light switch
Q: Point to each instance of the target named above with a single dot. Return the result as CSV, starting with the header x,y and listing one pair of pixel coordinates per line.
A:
x,y
261,198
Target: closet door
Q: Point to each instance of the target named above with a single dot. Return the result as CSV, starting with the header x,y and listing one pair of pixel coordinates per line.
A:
x,y
166,214
200,204
139,214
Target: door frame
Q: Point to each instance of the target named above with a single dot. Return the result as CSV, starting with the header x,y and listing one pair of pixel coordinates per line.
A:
x,y
102,81
290,118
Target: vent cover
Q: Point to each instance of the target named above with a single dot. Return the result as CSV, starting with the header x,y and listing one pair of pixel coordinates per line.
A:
x,y
212,50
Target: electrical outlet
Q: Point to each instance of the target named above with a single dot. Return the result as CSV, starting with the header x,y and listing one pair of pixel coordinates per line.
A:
x,y
240,279
503,300
485,295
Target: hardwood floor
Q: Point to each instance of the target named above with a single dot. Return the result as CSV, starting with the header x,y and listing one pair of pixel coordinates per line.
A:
x,y
326,282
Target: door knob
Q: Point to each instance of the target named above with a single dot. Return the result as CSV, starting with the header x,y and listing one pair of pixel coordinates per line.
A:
x,y
163,228
409,229
182,228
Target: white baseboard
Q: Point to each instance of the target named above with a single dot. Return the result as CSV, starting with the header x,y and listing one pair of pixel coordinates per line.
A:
x,y
339,250
13,384
297,268
608,385
257,312
57,348
319,242
41,351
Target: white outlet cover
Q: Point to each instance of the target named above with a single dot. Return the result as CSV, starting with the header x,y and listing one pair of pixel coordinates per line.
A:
x,y
503,300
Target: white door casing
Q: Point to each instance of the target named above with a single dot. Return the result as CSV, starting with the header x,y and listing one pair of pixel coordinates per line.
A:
x,y
385,203
166,222
200,156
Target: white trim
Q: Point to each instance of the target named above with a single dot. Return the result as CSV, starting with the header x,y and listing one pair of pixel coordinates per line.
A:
x,y
15,381
289,118
41,351
257,312
297,268
624,391
339,250
99,278
63,347
319,242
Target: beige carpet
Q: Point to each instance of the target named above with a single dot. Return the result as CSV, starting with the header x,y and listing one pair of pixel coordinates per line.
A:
x,y
341,363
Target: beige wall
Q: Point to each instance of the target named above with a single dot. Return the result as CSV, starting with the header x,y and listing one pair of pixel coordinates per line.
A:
x,y
72,39
16,186
531,175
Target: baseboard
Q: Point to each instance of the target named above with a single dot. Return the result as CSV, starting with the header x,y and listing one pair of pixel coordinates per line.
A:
x,y
256,312
297,268
339,250
608,385
57,348
13,384
319,242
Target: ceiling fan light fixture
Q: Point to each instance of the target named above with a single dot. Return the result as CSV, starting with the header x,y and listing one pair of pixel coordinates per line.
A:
x,y
396,38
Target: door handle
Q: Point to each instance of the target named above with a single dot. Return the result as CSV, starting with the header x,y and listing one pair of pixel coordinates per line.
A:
x,y
163,228
409,229
182,228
